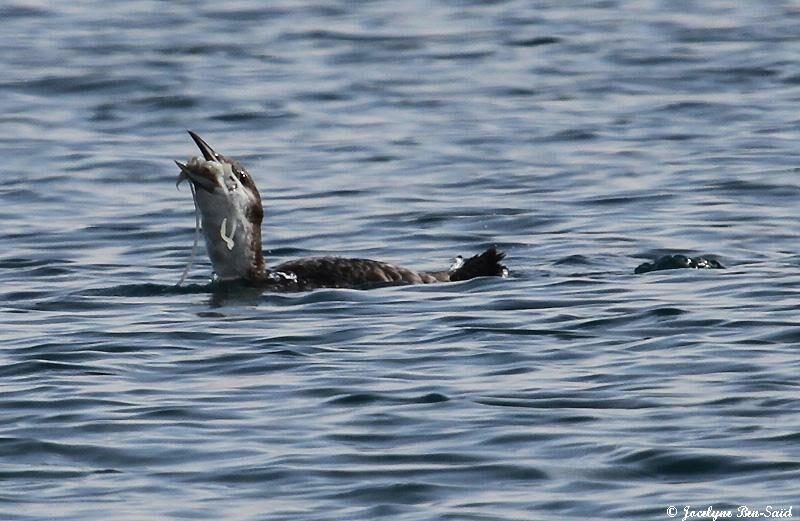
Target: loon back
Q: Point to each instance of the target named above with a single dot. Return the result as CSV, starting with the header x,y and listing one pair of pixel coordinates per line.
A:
x,y
231,213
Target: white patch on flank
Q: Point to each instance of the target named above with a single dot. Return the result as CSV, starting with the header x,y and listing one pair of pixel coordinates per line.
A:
x,y
282,275
458,262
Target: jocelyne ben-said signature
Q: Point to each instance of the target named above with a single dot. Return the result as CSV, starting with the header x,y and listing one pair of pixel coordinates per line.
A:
x,y
743,512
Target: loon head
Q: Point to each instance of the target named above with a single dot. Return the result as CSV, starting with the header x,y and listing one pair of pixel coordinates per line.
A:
x,y
230,210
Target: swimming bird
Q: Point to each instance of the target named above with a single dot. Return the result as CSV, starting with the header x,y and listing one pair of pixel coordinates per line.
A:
x,y
231,212
673,262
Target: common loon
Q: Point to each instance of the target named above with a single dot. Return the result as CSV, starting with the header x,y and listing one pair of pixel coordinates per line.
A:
x,y
230,209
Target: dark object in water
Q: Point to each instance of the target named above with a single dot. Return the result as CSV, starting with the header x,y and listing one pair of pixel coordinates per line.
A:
x,y
673,262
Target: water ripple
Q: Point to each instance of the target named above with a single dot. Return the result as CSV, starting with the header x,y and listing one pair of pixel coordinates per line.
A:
x,y
581,139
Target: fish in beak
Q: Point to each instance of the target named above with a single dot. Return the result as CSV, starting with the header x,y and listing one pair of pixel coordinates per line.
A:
x,y
195,170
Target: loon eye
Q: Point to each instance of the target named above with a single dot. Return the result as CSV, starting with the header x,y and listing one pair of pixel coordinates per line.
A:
x,y
243,176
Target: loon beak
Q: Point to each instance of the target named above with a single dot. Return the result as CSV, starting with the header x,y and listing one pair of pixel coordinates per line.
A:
x,y
205,148
201,177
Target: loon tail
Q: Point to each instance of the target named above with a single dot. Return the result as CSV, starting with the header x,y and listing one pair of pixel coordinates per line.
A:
x,y
486,264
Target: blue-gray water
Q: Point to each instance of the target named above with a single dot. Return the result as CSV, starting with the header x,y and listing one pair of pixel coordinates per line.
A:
x,y
582,139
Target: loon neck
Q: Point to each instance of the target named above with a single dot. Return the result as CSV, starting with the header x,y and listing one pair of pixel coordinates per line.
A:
x,y
257,270
233,243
